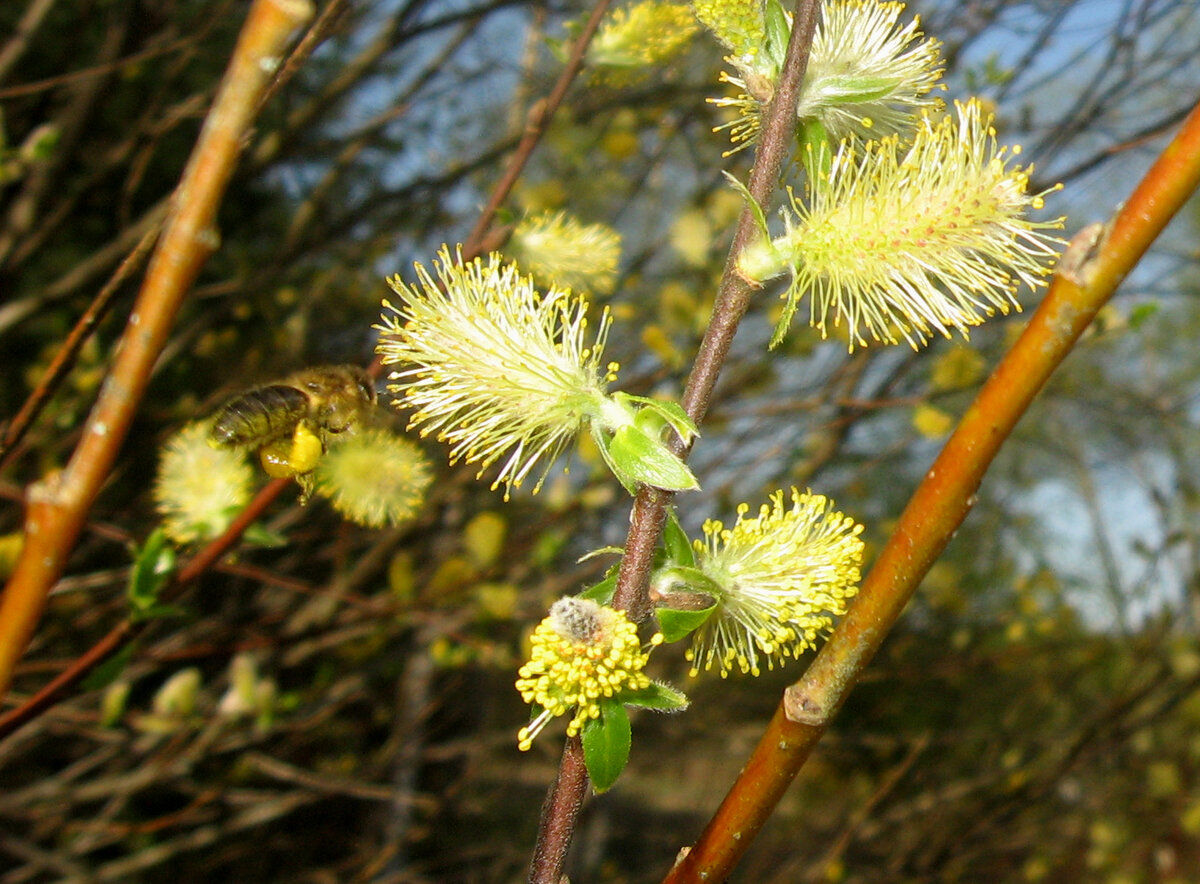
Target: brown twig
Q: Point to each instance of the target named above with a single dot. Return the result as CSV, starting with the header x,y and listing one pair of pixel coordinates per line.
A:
x,y
887,784
104,68
649,510
733,298
537,121
70,123
64,359
314,34
58,505
1087,278
22,34
85,271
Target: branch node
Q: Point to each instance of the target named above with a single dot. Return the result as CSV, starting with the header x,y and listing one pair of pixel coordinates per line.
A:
x,y
803,707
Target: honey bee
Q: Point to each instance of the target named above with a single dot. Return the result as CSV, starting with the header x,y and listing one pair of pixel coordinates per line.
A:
x,y
293,421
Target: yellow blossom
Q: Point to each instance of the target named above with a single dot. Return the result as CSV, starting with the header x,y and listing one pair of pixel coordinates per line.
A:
x,y
492,367
374,478
912,240
738,24
641,35
866,76
561,251
200,488
779,579
582,653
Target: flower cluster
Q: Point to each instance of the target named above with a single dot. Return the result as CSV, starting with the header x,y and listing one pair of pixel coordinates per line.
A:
x,y
582,653
636,37
866,76
500,371
739,24
778,579
199,487
559,250
374,478
912,239
493,367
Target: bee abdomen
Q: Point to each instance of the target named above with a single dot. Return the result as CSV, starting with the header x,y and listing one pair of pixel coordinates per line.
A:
x,y
259,416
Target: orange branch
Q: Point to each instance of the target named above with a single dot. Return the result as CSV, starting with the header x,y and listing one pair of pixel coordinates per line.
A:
x,y
128,630
1083,284
58,505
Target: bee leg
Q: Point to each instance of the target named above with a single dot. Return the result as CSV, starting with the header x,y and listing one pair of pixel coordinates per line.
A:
x,y
307,483
306,449
276,459
294,457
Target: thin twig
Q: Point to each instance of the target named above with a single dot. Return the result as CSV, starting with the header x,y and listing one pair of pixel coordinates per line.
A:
x,y
104,68
560,811
537,121
314,35
18,42
733,298
127,630
64,359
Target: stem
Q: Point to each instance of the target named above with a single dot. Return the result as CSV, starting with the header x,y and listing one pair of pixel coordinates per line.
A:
x,y
733,298
559,813
649,509
58,504
537,121
64,359
1083,284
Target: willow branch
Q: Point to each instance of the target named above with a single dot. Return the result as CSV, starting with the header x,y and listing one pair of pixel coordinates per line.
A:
x,y
1087,278
733,297
22,35
58,505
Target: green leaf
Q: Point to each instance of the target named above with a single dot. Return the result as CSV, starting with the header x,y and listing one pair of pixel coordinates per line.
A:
x,y
812,147
779,31
654,414
685,597
601,593
153,566
659,697
791,302
1142,312
602,551
258,535
857,89
669,412
558,48
675,624
606,742
157,612
642,458
760,216
678,545
692,578
604,445
110,670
